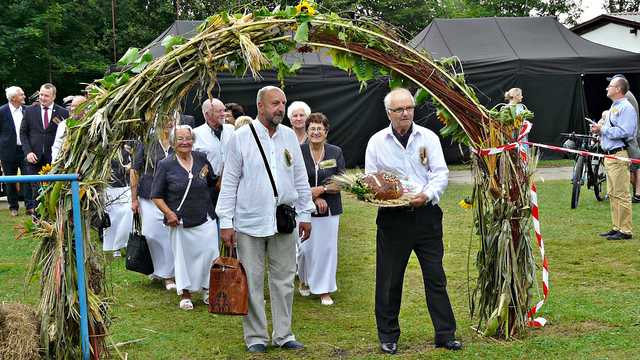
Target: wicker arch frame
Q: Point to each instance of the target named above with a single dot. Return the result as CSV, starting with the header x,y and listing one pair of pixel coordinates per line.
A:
x,y
126,106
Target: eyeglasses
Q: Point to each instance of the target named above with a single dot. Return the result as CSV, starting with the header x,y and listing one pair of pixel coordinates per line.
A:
x,y
401,110
317,129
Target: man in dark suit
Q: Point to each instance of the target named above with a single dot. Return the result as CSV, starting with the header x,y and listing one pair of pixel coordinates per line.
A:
x,y
38,129
11,155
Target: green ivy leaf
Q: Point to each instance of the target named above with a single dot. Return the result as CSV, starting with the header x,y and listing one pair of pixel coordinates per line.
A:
x,y
142,62
421,96
295,67
170,41
302,34
129,57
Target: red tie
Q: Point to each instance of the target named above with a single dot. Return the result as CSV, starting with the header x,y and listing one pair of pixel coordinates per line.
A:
x,y
46,117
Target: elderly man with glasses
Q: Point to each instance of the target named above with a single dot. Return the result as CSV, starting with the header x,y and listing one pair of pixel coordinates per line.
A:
x,y
615,134
412,152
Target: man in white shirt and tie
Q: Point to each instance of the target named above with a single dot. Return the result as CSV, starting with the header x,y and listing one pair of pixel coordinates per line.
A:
x,y
247,212
213,136
414,153
38,130
12,157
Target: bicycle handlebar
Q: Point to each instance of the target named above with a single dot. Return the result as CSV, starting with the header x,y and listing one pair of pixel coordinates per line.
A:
x,y
578,136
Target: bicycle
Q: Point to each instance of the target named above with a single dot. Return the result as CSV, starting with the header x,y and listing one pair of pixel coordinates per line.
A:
x,y
586,167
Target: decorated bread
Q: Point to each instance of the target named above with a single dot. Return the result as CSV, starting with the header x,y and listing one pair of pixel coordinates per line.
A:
x,y
383,185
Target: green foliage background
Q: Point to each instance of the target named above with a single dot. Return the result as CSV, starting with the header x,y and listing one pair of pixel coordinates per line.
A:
x,y
69,42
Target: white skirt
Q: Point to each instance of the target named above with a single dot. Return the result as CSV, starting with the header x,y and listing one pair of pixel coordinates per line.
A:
x,y
195,249
118,208
157,235
318,255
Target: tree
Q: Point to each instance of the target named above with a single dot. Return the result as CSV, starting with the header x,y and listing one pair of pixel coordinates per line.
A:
x,y
69,42
619,6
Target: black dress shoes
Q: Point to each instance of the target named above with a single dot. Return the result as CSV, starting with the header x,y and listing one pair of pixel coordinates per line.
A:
x,y
257,348
619,236
450,345
292,345
389,347
609,233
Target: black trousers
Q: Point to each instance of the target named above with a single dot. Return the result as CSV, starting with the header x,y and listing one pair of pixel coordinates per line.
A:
x,y
11,168
401,231
34,169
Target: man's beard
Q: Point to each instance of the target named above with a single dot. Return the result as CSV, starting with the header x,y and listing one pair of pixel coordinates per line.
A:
x,y
276,120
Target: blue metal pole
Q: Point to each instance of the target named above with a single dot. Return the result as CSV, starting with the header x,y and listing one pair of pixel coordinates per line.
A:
x,y
82,292
37,178
77,229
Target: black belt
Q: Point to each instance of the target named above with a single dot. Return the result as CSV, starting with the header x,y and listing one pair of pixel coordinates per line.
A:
x,y
614,150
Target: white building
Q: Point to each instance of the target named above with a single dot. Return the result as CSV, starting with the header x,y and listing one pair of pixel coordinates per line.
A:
x,y
619,30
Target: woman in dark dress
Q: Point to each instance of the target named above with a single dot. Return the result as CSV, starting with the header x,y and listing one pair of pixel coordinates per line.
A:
x,y
318,256
145,163
182,191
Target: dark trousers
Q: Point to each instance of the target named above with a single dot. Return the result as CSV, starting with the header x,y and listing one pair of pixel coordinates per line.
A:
x,y
401,231
11,168
34,169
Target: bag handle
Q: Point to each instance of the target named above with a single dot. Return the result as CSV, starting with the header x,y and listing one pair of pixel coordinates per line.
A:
x,y
264,159
137,223
186,191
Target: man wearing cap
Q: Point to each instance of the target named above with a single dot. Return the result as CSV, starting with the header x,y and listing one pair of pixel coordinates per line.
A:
x,y
614,133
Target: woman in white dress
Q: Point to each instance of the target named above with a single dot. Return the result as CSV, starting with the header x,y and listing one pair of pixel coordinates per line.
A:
x,y
298,112
145,163
182,190
118,200
318,256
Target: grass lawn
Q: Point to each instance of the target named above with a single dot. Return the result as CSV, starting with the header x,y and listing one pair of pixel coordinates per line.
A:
x,y
541,164
592,311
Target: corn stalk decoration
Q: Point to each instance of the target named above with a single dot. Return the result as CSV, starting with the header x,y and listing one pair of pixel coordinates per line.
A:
x,y
128,104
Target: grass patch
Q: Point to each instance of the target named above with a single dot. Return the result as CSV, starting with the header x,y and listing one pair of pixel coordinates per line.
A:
x,y
592,311
541,164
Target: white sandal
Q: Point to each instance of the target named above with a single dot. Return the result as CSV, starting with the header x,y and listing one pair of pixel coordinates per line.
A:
x,y
304,291
186,304
326,300
169,285
205,297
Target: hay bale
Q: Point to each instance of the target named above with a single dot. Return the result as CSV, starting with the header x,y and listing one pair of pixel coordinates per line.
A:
x,y
19,333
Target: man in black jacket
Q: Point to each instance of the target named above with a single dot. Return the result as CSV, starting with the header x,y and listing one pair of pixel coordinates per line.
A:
x,y
38,128
11,155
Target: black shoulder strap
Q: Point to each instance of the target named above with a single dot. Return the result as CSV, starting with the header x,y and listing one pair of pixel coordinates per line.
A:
x,y
264,159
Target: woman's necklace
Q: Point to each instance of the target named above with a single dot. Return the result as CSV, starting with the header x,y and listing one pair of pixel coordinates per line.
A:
x,y
315,155
185,166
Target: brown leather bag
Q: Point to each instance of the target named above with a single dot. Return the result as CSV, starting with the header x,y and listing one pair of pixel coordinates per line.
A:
x,y
228,288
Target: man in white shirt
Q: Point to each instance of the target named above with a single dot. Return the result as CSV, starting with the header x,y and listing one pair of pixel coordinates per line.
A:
x,y
62,127
247,212
213,136
12,157
414,153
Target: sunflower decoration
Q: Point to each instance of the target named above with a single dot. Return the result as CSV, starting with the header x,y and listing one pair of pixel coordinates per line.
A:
x,y
45,170
381,188
465,203
305,7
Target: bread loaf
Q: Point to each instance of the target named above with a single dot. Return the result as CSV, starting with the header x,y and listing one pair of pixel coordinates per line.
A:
x,y
383,185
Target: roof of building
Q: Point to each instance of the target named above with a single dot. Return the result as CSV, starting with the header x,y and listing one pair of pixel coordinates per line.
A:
x,y
629,19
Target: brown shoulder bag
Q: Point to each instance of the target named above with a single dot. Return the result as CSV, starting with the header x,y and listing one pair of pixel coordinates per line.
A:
x,y
228,287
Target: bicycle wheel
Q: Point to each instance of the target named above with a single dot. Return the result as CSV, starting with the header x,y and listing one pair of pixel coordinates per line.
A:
x,y
600,178
578,171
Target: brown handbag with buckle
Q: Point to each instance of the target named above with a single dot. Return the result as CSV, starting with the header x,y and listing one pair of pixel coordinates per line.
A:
x,y
228,287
